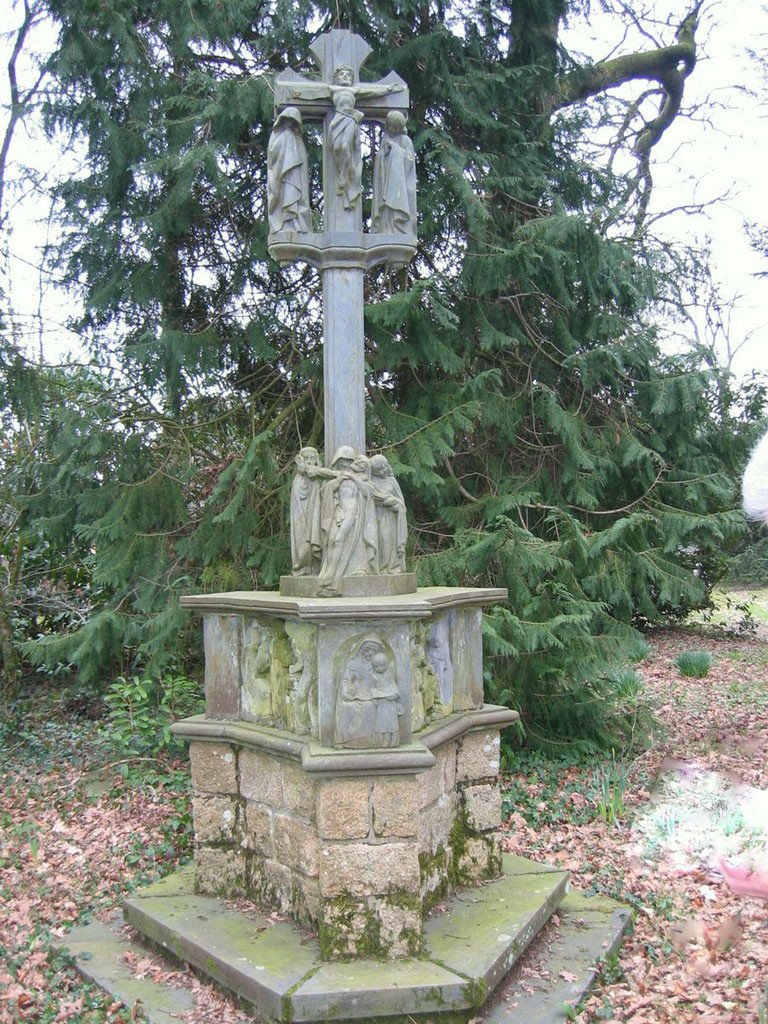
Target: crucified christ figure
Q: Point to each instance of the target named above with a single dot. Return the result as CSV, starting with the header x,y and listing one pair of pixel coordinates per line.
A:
x,y
344,129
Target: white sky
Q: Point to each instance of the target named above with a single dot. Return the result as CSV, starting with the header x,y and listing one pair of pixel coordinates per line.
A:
x,y
698,159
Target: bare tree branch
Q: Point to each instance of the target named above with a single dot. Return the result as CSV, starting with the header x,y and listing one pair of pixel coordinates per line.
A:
x,y
669,66
20,101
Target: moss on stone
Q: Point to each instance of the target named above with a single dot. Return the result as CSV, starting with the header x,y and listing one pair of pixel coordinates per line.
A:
x,y
341,937
430,865
458,873
300,907
412,940
475,991
404,900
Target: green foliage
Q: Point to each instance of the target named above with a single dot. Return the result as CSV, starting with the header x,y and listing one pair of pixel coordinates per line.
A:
x,y
543,439
141,711
609,785
749,566
695,664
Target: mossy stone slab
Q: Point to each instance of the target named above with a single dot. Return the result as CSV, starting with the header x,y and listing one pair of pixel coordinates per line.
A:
x,y
366,989
567,962
484,930
259,960
99,954
277,969
180,883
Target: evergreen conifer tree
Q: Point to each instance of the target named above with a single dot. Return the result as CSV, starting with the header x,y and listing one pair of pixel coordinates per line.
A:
x,y
515,380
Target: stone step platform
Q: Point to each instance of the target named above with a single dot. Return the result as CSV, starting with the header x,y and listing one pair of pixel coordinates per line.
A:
x,y
276,968
562,963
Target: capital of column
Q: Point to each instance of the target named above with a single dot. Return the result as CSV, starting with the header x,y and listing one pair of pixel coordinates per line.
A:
x,y
349,250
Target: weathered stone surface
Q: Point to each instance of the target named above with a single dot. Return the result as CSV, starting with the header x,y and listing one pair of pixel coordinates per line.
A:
x,y
466,643
431,786
483,806
399,928
220,872
435,823
440,779
395,807
258,696
306,900
479,859
257,829
299,791
296,845
247,954
563,963
99,951
261,778
348,928
484,930
343,809
221,636
369,721
362,869
373,927
270,884
469,947
478,756
215,819
352,586
446,761
214,767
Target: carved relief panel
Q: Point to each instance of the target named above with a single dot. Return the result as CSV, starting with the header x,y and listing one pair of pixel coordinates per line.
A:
x,y
364,685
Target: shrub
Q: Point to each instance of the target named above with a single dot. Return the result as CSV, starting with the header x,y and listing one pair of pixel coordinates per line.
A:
x,y
141,711
695,664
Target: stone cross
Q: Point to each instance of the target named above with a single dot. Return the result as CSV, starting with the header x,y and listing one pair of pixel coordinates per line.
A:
x,y
342,251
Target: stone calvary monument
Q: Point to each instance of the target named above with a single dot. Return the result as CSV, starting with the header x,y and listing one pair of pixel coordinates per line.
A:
x,y
347,709
345,772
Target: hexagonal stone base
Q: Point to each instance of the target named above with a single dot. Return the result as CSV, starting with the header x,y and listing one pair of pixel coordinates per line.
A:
x,y
277,969
263,958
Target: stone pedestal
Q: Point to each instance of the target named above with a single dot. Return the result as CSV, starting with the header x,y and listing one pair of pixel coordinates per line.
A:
x,y
346,769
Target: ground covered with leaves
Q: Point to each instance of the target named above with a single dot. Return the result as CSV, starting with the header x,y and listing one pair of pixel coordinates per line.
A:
x,y
679,831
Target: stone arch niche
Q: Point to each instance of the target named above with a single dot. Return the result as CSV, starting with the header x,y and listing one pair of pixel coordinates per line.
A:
x,y
368,707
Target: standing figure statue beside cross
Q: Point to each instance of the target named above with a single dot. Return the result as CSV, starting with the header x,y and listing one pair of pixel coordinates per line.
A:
x,y
342,252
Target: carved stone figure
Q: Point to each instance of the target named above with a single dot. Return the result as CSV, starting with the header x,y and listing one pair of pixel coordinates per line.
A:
x,y
391,521
347,522
257,663
287,175
368,703
394,180
439,657
424,682
344,135
303,674
306,551
343,80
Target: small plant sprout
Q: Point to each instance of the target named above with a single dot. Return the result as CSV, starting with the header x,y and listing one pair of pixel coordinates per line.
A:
x,y
609,785
695,664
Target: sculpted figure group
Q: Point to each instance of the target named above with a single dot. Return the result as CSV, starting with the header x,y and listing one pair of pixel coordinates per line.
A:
x,y
348,520
394,188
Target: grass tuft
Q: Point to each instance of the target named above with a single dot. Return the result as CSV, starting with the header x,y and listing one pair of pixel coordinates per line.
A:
x,y
695,664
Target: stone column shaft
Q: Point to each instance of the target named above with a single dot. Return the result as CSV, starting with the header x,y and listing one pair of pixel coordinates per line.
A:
x,y
343,359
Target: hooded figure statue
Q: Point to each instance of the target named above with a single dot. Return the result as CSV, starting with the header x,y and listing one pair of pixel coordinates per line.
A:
x,y
287,175
394,180
347,522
